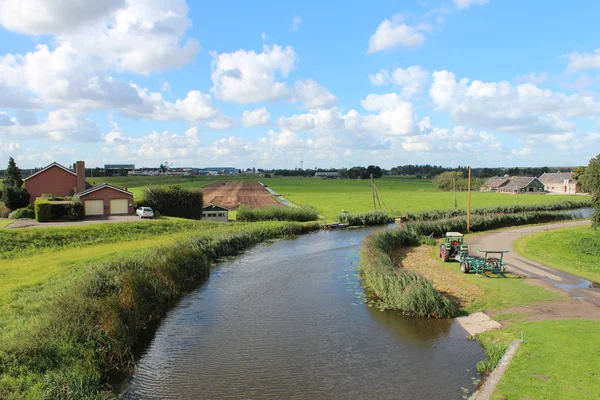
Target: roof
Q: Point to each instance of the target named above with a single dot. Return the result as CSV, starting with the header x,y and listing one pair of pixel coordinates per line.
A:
x,y
213,207
495,182
54,164
519,182
453,234
327,173
556,177
102,186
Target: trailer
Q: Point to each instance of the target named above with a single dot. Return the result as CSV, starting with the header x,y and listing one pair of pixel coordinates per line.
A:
x,y
492,261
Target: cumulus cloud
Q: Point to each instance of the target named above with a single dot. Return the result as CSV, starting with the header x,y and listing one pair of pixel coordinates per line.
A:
x,y
296,22
58,126
246,76
524,108
462,4
221,122
313,95
258,117
412,80
579,61
393,33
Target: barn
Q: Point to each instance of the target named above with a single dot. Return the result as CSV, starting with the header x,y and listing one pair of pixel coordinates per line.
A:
x,y
59,181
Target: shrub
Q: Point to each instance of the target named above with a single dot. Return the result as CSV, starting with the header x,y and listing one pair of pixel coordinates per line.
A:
x,y
277,213
22,213
15,197
174,201
4,211
76,211
43,210
366,219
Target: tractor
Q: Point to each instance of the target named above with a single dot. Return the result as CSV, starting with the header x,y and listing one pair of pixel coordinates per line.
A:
x,y
453,247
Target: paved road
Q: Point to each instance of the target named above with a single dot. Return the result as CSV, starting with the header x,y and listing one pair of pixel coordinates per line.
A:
x,y
32,223
574,286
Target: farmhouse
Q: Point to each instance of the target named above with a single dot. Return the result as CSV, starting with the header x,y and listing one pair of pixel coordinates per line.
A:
x,y
212,212
59,181
560,182
522,184
494,183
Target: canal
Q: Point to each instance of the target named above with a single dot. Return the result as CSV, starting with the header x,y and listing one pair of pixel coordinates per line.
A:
x,y
288,320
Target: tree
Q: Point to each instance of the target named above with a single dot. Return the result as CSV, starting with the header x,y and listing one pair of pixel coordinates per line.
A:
x,y
162,168
591,181
446,180
14,195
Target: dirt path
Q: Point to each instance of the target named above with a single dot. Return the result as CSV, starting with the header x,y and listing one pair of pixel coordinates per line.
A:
x,y
232,195
574,286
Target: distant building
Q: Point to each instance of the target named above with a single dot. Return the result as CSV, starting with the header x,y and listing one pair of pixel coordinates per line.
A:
x,y
494,183
113,169
560,182
212,212
522,184
327,175
220,170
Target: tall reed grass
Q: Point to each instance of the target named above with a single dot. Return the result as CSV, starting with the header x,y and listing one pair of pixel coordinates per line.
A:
x,y
276,213
409,292
366,219
89,332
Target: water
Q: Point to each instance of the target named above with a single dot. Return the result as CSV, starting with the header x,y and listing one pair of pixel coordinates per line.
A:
x,y
289,320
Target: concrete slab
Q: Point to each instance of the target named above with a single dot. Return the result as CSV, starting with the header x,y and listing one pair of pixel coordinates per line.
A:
x,y
477,323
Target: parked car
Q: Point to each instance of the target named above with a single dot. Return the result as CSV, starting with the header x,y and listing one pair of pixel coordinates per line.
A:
x,y
145,212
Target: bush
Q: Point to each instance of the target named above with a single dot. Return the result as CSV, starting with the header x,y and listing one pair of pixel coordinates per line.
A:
x,y
366,219
4,211
277,213
43,210
15,198
76,211
22,213
174,201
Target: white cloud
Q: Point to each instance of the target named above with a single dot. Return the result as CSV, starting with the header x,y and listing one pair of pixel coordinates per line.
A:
x,y
258,117
579,61
165,87
377,102
263,36
313,95
246,76
412,79
501,106
195,107
462,4
534,78
39,17
58,126
221,122
393,33
296,22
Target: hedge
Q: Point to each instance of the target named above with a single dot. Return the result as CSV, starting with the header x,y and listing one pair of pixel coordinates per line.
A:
x,y
174,201
76,211
43,210
22,213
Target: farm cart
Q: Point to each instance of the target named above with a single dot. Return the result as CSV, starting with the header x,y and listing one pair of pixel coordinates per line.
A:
x,y
493,262
454,246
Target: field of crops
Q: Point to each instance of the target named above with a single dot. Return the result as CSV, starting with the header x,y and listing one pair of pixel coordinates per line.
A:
x,y
331,196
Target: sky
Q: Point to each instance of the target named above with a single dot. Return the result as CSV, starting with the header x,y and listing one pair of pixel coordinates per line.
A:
x,y
326,84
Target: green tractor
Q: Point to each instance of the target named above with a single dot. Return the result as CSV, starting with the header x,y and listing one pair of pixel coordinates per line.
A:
x,y
453,247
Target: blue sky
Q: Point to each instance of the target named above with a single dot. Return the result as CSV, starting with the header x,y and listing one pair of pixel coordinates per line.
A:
x,y
267,84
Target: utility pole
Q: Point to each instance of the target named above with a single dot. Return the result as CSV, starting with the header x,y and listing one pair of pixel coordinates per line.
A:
x,y
469,203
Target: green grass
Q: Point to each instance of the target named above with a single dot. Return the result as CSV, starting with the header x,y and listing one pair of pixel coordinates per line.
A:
x,y
4,222
331,196
564,248
558,360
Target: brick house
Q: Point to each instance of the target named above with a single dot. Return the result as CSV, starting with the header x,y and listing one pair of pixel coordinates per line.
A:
x,y
560,182
58,180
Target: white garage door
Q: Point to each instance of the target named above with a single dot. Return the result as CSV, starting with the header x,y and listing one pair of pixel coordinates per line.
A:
x,y
119,206
94,207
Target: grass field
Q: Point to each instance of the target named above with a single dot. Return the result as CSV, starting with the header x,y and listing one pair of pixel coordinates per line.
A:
x,y
574,250
558,360
331,196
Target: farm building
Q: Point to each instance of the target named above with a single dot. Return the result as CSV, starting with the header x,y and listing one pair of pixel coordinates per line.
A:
x,y
560,182
522,184
325,175
59,181
212,212
494,183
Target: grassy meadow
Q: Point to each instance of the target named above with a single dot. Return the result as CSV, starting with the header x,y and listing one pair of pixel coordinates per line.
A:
x,y
573,250
331,196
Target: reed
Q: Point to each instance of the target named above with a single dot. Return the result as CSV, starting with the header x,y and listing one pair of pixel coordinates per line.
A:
x,y
276,213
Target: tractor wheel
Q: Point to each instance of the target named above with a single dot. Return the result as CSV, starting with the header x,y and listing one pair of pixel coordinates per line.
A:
x,y
440,251
446,255
464,268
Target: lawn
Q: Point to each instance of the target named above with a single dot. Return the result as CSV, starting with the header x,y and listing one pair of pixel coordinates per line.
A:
x,y
558,360
4,222
331,196
574,250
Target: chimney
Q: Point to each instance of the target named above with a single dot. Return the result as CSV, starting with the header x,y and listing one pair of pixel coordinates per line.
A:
x,y
80,171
